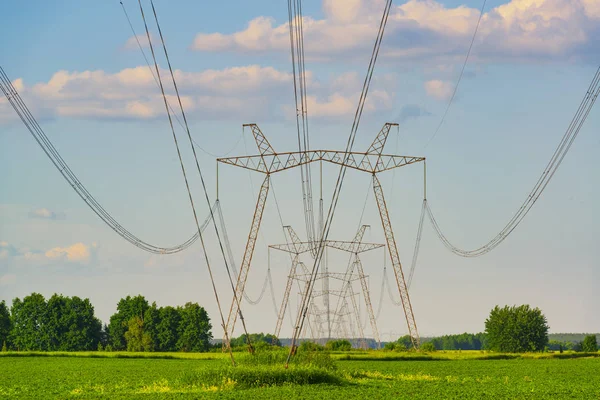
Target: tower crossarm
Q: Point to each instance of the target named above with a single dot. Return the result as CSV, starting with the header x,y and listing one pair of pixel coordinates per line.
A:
x,y
338,293
353,247
276,162
292,248
350,247
335,275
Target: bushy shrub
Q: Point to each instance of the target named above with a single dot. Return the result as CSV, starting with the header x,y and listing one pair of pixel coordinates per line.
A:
x,y
395,346
389,346
590,344
310,346
428,347
243,376
400,347
338,345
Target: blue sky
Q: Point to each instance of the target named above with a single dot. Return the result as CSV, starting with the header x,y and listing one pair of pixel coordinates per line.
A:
x,y
91,91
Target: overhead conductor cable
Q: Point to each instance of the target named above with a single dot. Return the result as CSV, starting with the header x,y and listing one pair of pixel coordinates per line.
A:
x,y
42,139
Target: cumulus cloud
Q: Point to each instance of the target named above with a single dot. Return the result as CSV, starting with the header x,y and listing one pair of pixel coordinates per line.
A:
x,y
44,213
248,92
440,90
76,253
427,29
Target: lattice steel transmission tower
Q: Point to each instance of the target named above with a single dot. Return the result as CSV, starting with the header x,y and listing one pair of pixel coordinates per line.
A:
x,y
296,247
373,162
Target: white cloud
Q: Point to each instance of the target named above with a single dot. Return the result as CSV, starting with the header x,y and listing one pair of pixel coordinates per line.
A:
x,y
248,92
342,10
76,253
440,90
426,29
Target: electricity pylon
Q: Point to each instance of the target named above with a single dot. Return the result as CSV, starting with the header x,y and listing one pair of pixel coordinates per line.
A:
x,y
373,161
355,247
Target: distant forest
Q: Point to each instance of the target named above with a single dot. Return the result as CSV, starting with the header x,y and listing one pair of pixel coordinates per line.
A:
x,y
470,341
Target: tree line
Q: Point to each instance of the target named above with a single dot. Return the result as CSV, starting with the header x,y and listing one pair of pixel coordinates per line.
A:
x,y
69,324
509,329
258,340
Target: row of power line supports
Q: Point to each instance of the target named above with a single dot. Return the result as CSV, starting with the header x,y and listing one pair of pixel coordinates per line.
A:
x,y
373,161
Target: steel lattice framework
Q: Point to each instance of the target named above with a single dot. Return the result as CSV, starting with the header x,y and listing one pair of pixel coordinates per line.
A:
x,y
373,161
356,246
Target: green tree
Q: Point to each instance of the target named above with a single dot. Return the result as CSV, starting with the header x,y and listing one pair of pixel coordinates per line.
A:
x,y
389,346
338,345
428,347
151,321
255,338
127,308
28,319
55,326
84,329
310,346
136,338
590,344
400,347
516,329
194,328
406,341
5,324
463,341
70,324
167,329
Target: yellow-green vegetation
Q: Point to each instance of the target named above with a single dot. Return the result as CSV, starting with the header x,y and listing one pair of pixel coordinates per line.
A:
x,y
354,375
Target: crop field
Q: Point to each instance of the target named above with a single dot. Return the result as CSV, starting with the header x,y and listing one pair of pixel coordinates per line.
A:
x,y
370,375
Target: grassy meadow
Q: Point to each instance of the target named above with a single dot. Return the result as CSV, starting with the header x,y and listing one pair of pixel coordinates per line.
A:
x,y
351,375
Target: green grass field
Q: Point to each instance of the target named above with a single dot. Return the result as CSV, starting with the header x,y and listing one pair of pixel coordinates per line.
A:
x,y
373,375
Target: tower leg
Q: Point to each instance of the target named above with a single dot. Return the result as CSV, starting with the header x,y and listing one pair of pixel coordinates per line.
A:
x,y
286,296
361,334
248,253
395,258
367,296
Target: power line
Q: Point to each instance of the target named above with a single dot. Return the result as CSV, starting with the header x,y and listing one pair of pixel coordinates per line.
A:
x,y
296,28
174,114
183,167
413,264
462,71
44,142
556,160
187,129
340,179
